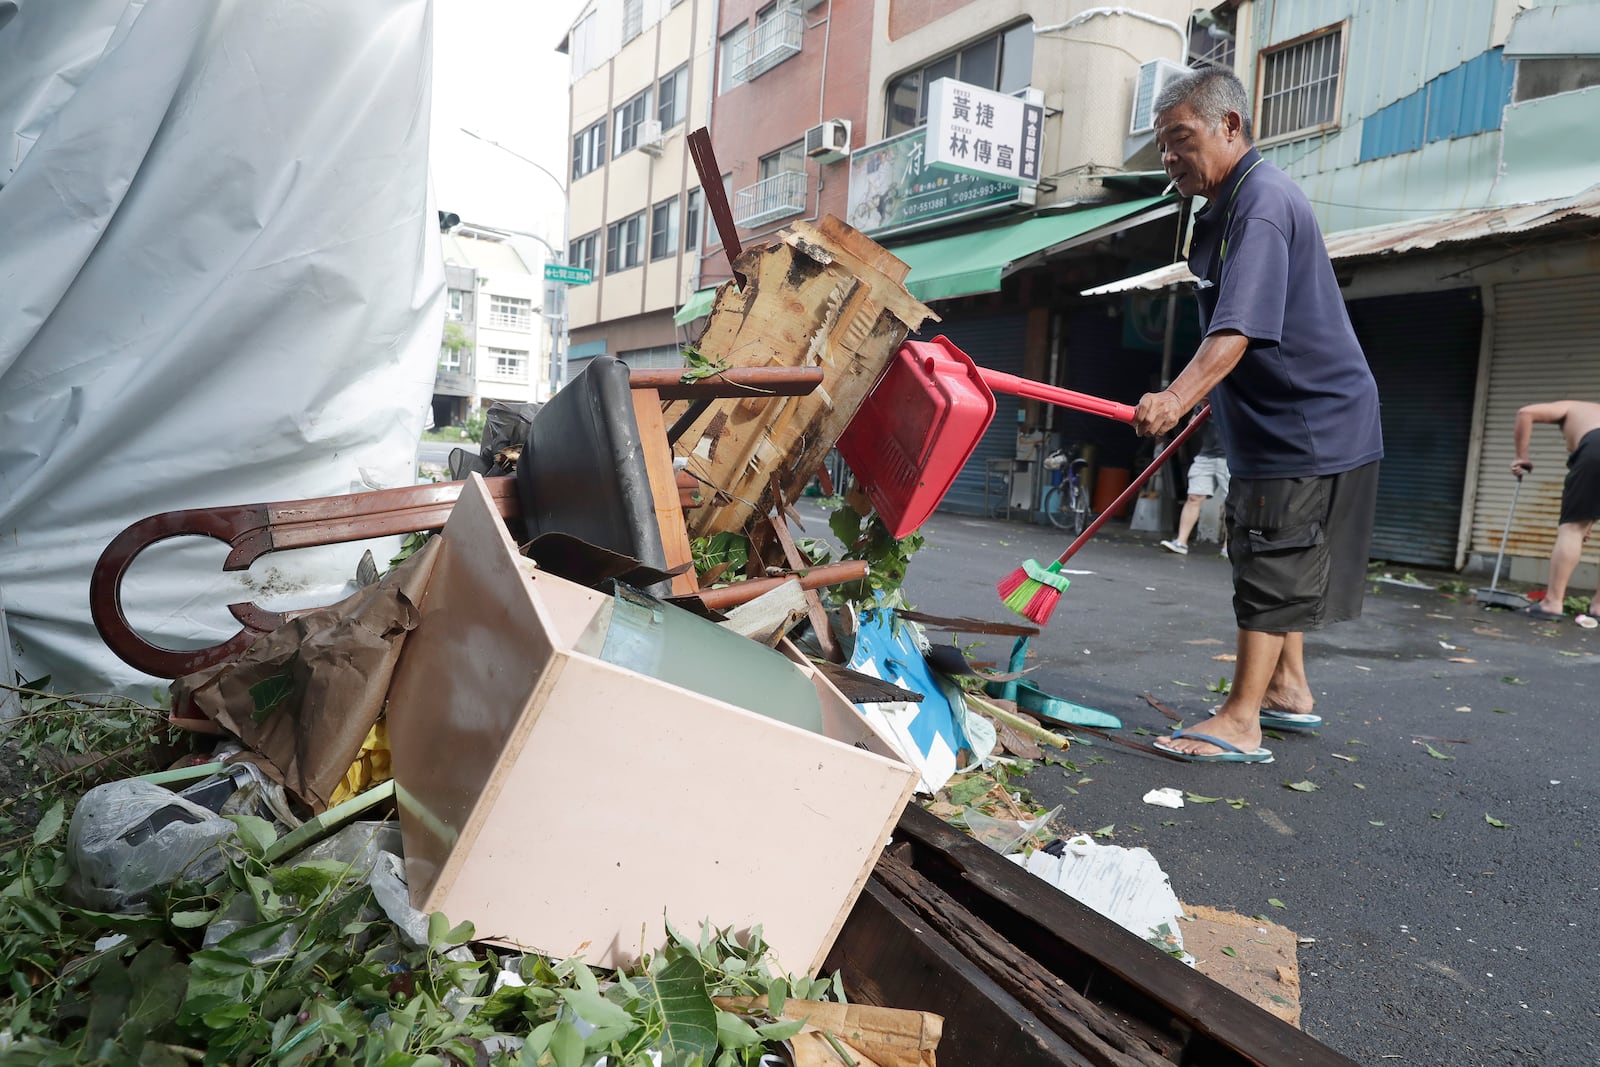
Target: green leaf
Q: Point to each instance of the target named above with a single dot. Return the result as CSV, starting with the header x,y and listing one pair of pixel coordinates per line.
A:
x,y
1276,903
1302,787
1494,822
777,996
49,823
190,920
566,1045
1226,951
678,995
223,1017
1196,798
781,1031
256,833
1509,680
1374,822
734,1032
268,693
595,1009
1105,831
1238,803
964,793
1435,753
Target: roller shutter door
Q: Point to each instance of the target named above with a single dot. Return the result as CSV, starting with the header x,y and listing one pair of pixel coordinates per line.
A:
x,y
1423,349
1546,347
994,341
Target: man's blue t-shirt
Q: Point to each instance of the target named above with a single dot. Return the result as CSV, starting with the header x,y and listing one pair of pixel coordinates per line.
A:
x,y
1301,401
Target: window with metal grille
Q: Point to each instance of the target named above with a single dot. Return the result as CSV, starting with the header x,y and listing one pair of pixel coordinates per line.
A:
x,y
790,157
632,19
510,312
508,364
628,118
580,253
1298,92
658,357
672,97
1002,61
664,229
589,149
691,222
624,243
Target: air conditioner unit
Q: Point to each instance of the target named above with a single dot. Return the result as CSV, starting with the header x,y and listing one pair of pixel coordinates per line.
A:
x,y
650,137
1153,77
830,141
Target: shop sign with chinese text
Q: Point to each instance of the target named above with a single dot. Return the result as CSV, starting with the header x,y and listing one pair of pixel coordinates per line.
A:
x,y
982,132
894,190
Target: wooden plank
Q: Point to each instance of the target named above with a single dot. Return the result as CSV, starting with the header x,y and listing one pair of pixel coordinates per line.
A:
x,y
887,957
664,489
1100,1037
1085,948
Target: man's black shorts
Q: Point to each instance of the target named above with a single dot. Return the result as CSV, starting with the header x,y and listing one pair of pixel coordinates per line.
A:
x,y
1299,548
1580,496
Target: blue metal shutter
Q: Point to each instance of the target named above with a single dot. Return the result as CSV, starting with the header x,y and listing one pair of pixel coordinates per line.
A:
x,y
1423,349
994,341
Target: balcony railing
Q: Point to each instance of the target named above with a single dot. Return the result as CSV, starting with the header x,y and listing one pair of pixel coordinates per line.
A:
x,y
771,198
774,40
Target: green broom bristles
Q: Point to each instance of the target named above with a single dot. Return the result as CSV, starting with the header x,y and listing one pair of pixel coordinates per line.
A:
x,y
1033,591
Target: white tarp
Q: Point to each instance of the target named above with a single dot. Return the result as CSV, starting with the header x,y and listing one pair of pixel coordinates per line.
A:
x,y
220,283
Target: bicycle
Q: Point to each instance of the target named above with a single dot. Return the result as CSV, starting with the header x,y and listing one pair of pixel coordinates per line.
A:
x,y
1067,502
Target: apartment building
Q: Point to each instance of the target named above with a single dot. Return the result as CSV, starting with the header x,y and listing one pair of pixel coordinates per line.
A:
x,y
640,82
495,346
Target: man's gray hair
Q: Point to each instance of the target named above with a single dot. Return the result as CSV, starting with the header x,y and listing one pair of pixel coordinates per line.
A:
x,y
1211,93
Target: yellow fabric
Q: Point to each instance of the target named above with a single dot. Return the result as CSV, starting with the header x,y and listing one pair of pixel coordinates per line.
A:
x,y
370,768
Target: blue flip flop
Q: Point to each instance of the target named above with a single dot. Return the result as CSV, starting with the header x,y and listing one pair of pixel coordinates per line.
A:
x,y
1230,753
1289,720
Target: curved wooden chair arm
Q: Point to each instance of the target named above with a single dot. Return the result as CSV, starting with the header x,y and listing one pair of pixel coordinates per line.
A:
x,y
251,531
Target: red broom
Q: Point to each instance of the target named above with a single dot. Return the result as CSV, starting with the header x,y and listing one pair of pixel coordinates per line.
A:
x,y
1033,590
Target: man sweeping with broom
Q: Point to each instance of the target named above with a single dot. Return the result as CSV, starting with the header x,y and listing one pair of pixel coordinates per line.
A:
x,y
1294,399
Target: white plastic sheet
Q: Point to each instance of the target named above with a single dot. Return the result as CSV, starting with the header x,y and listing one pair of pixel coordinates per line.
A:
x,y
220,283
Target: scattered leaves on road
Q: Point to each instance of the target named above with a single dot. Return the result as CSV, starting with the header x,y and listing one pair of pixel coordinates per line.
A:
x,y
1494,822
1276,903
1435,753
1226,951
1512,680
1302,787
1196,798
1341,755
1105,831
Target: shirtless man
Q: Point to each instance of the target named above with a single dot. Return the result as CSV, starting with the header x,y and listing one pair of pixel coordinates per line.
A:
x,y
1580,496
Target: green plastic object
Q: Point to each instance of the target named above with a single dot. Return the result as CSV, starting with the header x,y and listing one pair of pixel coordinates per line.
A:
x,y
675,646
1030,697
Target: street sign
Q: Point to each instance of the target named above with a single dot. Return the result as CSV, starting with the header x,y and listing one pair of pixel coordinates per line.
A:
x,y
977,131
560,272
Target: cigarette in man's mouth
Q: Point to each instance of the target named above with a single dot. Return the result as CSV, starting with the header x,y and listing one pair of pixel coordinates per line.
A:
x,y
1173,184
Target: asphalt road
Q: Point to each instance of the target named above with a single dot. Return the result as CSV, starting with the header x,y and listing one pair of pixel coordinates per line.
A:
x,y
1439,938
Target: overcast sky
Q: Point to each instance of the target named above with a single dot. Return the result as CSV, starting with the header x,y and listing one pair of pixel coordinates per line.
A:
x,y
496,72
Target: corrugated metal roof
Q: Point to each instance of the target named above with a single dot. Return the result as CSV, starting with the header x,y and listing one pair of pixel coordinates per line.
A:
x,y
1416,235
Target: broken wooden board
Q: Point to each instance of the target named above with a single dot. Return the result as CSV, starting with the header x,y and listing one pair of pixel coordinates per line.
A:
x,y
823,296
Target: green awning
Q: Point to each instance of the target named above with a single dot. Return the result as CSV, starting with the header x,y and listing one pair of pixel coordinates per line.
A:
x,y
697,305
977,262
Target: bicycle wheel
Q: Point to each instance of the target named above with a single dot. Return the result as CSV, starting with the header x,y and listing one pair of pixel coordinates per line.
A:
x,y
1078,507
1056,506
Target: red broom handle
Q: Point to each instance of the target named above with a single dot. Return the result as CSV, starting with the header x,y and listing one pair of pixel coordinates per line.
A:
x,y
1137,484
1010,384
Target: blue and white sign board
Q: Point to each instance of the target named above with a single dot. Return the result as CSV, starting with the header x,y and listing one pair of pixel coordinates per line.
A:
x,y
979,131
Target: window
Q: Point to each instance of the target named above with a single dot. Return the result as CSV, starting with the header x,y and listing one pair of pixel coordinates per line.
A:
x,y
1299,88
457,303
1002,61
628,119
731,50
632,19
659,357
664,229
510,312
624,241
1211,38
589,149
580,253
450,359
788,158
507,364
691,222
672,97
